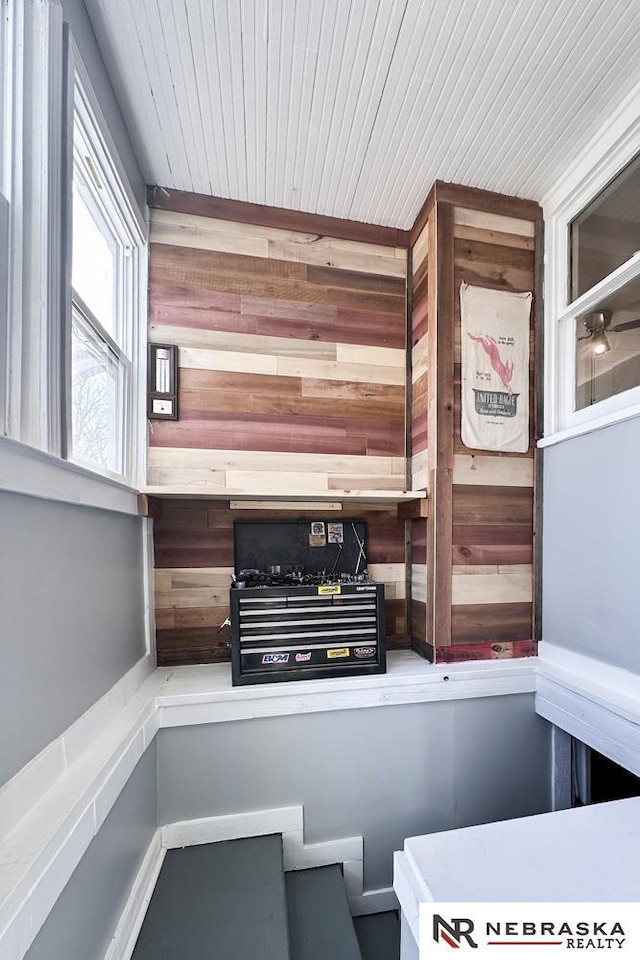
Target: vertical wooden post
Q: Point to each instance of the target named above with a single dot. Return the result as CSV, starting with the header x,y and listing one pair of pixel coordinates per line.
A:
x,y
440,426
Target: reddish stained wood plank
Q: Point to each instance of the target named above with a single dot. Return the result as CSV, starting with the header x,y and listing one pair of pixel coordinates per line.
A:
x,y
303,435
419,432
487,651
385,542
481,534
239,211
419,319
184,297
196,645
504,505
195,259
484,651
477,554
194,318
264,278
251,384
491,622
209,435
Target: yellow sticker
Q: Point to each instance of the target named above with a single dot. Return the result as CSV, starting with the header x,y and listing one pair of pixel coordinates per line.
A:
x,y
338,652
323,591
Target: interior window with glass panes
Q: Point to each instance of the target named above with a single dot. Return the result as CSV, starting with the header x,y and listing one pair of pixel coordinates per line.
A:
x,y
604,238
100,335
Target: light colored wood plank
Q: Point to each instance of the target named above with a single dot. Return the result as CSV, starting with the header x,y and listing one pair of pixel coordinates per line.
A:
x,y
285,505
419,474
193,578
300,463
226,236
492,471
327,252
419,582
511,585
380,500
376,356
161,580
182,230
387,572
227,360
493,221
276,481
419,359
242,342
420,248
202,597
341,481
327,370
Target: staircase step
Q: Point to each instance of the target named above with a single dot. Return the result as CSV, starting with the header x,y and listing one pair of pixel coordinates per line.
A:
x,y
219,901
320,924
379,936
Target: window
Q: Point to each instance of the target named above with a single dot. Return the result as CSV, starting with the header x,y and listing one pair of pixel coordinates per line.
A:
x,y
592,286
105,318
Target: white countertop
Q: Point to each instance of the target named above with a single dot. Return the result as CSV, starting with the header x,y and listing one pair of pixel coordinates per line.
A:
x,y
588,854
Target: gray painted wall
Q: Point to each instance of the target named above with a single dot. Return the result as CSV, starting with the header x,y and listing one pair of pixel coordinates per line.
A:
x,y
75,14
72,614
82,922
384,773
591,538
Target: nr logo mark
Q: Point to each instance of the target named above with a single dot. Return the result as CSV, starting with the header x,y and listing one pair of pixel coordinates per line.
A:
x,y
453,932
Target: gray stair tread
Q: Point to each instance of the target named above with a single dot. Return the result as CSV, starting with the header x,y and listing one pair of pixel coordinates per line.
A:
x,y
379,936
320,924
219,901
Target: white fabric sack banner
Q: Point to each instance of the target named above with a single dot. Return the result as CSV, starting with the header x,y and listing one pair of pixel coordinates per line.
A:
x,y
495,369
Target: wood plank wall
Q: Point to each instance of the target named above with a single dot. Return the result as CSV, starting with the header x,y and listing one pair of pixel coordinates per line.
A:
x,y
193,542
487,499
292,381
292,365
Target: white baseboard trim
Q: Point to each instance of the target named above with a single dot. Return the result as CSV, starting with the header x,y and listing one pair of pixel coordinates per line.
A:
x,y
128,929
289,821
374,901
297,855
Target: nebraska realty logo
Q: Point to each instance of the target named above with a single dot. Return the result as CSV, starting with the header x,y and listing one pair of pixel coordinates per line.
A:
x,y
571,926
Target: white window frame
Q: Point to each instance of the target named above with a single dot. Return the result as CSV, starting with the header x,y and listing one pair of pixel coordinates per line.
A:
x,y
127,344
34,172
607,154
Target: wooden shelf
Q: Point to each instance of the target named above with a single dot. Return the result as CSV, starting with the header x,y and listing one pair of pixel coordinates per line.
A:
x,y
413,501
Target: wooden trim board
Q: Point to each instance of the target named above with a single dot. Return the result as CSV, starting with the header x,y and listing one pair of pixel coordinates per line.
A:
x,y
179,201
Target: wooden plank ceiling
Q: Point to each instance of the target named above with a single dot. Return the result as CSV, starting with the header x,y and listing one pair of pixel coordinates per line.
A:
x,y
352,108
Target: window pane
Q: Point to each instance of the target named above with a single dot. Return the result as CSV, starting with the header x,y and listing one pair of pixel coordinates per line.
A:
x,y
97,388
607,232
93,264
608,347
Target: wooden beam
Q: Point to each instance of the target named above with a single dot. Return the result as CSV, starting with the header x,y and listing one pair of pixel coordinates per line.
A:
x,y
201,205
486,200
440,430
413,509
